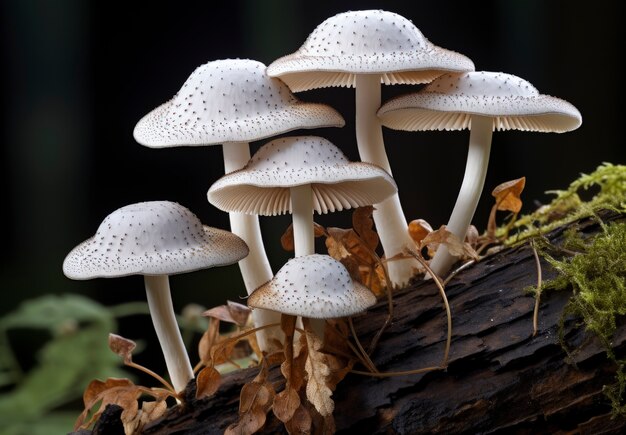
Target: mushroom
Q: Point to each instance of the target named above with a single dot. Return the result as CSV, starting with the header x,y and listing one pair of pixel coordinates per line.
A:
x,y
155,239
363,49
313,287
233,102
481,101
299,175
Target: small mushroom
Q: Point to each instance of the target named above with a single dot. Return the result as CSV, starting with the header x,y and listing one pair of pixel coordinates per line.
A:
x,y
363,49
233,102
481,101
313,287
155,239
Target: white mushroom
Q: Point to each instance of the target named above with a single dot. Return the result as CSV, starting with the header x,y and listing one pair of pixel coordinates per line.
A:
x,y
482,102
299,175
313,286
155,239
233,102
363,49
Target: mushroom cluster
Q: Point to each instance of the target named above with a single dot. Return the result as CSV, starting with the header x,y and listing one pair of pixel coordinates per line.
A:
x,y
232,102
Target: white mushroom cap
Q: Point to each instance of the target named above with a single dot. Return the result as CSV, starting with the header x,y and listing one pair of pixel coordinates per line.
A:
x,y
366,42
262,186
230,100
448,103
315,286
152,238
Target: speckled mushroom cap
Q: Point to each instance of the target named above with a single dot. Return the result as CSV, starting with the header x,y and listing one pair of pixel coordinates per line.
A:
x,y
230,100
152,238
449,102
365,42
315,286
262,186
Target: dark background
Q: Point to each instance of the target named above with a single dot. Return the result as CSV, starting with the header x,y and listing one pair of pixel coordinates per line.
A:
x,y
78,75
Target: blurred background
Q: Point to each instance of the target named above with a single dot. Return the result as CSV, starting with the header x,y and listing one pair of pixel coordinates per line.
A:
x,y
78,75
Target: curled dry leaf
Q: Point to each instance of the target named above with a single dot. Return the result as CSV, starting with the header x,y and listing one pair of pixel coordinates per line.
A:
x,y
362,262
508,198
286,240
300,423
255,401
208,341
232,312
207,382
508,195
285,404
363,225
122,346
454,245
419,229
121,392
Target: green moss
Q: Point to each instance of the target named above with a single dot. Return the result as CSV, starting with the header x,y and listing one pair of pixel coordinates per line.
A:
x,y
597,277
594,268
569,205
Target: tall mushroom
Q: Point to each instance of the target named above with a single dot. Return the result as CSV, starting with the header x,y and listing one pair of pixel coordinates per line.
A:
x,y
233,102
155,239
481,101
363,49
299,175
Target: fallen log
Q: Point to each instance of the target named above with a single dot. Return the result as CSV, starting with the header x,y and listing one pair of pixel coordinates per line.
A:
x,y
500,378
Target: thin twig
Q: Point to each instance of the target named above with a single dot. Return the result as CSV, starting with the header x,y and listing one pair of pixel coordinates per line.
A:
x,y
538,292
440,286
402,373
352,348
461,268
370,363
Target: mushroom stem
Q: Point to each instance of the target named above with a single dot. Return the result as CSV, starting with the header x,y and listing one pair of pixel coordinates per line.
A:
x,y
481,131
391,224
302,215
164,320
255,268
303,234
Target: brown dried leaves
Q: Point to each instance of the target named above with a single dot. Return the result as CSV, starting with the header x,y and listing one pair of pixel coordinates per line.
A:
x,y
124,393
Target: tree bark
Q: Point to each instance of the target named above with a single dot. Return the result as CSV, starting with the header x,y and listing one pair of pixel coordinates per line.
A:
x,y
500,378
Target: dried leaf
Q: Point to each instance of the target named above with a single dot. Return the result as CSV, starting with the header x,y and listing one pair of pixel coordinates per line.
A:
x,y
285,404
207,382
122,347
248,423
361,262
222,351
116,391
150,411
286,240
507,195
255,401
299,362
317,391
300,423
472,236
452,242
232,312
208,340
419,229
363,225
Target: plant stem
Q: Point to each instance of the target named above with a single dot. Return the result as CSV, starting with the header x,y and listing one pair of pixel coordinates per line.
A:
x,y
471,188
255,268
391,223
164,320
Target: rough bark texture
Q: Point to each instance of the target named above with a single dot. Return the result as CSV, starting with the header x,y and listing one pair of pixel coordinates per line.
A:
x,y
500,378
